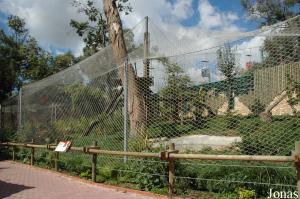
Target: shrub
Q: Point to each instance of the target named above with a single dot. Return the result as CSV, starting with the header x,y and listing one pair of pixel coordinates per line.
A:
x,y
147,175
275,138
257,107
245,193
232,120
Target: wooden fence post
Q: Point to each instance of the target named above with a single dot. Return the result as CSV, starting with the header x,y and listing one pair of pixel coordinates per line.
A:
x,y
32,155
297,164
171,171
13,153
56,157
94,163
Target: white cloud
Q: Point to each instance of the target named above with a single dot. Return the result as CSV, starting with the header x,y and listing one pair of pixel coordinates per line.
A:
x,y
210,17
47,21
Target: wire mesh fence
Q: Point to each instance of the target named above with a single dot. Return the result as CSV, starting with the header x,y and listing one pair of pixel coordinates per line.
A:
x,y
241,97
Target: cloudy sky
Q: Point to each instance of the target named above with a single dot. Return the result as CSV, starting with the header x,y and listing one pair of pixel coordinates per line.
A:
x,y
48,21
187,25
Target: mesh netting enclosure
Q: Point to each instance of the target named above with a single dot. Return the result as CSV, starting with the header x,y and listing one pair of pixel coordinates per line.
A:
x,y
241,97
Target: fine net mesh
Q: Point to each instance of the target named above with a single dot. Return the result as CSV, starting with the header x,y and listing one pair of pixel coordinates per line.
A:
x,y
236,93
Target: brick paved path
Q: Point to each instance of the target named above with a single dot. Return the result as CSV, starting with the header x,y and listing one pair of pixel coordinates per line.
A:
x,y
21,181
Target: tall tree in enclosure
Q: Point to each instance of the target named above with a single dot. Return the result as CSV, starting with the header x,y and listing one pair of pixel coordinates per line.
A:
x,y
136,102
226,62
94,30
176,92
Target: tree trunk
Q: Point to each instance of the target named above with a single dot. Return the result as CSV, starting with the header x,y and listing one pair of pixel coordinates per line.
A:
x,y
136,102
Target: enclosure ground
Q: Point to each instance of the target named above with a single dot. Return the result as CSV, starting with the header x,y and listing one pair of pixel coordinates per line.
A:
x,y
23,181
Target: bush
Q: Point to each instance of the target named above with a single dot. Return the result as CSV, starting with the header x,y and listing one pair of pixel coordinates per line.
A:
x,y
257,107
275,138
163,129
245,193
225,179
147,175
232,121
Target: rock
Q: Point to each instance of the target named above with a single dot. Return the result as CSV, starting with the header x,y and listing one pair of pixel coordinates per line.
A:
x,y
198,142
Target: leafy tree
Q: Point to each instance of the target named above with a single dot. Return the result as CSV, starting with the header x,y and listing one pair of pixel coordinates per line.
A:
x,y
23,60
94,30
176,91
35,62
268,12
87,98
226,62
11,55
63,61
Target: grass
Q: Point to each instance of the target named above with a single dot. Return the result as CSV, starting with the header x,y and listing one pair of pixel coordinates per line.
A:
x,y
275,138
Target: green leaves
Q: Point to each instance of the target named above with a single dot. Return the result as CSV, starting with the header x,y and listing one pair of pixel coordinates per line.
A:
x,y
23,60
94,30
269,12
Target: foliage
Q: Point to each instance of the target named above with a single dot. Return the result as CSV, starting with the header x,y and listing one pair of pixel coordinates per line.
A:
x,y
245,193
40,133
23,60
176,91
199,102
86,174
87,98
232,121
293,92
269,12
94,30
148,174
63,61
226,62
257,107
260,138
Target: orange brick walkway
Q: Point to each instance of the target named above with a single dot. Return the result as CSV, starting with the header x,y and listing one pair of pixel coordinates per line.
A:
x,y
21,181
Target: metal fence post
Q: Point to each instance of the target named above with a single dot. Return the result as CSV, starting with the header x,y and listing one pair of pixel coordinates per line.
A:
x,y
125,108
297,164
32,154
94,163
171,171
56,157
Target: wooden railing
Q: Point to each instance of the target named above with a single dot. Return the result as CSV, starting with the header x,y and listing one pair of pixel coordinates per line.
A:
x,y
170,155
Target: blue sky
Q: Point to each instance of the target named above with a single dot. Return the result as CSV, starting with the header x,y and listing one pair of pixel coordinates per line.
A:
x,y
227,6
48,21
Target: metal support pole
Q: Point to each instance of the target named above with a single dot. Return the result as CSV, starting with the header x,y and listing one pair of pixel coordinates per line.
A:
x,y
171,172
94,163
32,155
125,114
297,164
56,157
146,48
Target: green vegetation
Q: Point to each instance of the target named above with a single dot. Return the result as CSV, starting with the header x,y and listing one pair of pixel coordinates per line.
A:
x,y
223,178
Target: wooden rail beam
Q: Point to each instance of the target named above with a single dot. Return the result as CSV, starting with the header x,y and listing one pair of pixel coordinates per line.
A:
x,y
261,158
